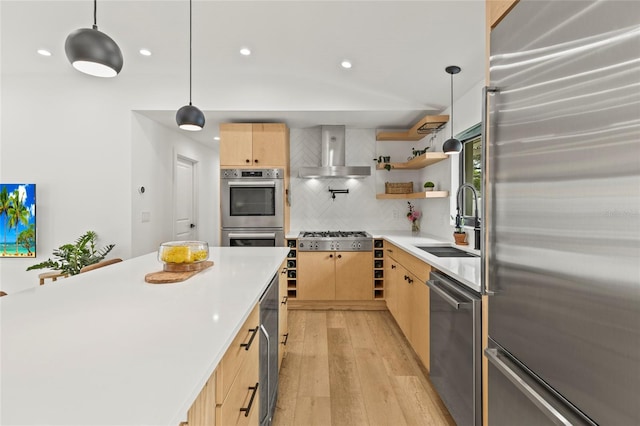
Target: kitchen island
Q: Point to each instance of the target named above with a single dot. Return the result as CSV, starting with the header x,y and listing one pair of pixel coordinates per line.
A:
x,y
105,347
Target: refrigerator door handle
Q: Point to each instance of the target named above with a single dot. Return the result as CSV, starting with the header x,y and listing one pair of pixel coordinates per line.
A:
x,y
484,185
504,365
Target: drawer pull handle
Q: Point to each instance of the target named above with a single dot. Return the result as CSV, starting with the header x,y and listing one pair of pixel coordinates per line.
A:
x,y
284,271
286,337
247,345
285,299
393,266
253,395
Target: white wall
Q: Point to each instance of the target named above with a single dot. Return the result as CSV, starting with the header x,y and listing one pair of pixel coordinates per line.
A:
x,y
78,140
154,153
314,209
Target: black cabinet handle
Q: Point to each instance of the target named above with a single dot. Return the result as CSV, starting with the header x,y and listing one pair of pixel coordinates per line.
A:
x,y
406,277
284,271
247,345
339,256
247,160
255,161
253,395
331,256
393,266
284,300
410,280
286,337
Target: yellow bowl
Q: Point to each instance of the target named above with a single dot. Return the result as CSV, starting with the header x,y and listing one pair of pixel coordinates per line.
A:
x,y
183,252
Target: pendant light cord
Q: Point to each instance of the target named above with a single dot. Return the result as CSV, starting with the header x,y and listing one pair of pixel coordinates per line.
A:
x,y
190,54
451,105
95,14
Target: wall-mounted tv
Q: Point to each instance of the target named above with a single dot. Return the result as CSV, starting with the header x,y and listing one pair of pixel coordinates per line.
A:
x,y
18,220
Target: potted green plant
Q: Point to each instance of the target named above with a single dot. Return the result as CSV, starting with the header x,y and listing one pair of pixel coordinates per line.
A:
x,y
459,236
70,258
429,186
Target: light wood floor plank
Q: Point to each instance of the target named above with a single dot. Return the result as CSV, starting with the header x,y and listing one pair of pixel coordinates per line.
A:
x,y
353,368
359,330
347,404
313,411
314,377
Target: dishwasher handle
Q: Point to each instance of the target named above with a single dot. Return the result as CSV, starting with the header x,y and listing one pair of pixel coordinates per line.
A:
x,y
446,296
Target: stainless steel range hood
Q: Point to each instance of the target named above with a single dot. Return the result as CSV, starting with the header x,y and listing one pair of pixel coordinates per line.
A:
x,y
333,153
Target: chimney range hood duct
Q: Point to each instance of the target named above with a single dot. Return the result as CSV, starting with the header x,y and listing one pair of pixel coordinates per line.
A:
x,y
333,153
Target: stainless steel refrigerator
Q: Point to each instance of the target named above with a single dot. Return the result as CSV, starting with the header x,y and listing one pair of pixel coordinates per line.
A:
x,y
563,161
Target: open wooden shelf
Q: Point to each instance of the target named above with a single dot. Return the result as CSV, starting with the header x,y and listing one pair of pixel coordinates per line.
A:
x,y
426,125
419,162
413,195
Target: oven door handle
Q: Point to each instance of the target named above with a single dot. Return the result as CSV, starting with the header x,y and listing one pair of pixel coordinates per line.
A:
x,y
261,235
457,304
260,183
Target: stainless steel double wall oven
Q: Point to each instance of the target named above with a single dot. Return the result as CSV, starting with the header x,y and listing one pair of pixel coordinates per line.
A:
x,y
252,204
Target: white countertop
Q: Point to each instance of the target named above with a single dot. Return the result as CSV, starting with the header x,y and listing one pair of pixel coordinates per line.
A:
x,y
105,347
464,269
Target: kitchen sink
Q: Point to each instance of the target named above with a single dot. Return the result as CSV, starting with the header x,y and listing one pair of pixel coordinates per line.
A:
x,y
447,252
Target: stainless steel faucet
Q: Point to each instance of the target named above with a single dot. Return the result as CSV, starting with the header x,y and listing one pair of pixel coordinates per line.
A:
x,y
476,224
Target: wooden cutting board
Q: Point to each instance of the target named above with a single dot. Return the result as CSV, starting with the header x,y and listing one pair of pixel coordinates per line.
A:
x,y
169,277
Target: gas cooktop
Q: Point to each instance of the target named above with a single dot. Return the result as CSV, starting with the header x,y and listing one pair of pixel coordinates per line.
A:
x,y
334,234
335,240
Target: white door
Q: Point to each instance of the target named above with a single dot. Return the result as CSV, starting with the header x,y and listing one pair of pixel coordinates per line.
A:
x,y
185,200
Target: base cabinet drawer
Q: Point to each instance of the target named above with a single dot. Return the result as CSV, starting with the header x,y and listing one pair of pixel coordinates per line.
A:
x,y
242,404
248,338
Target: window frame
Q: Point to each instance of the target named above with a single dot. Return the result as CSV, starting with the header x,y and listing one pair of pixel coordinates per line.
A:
x,y
468,138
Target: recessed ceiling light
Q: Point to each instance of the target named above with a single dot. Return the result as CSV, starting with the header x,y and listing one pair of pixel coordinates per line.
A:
x,y
44,52
346,64
145,52
245,51
216,138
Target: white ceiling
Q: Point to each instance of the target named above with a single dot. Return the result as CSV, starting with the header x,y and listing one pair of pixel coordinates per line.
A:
x,y
399,50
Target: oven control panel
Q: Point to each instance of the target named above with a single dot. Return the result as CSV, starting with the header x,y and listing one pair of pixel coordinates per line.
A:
x,y
252,173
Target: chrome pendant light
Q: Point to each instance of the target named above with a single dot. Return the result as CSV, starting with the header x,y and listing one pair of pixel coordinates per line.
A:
x,y
189,117
453,145
93,52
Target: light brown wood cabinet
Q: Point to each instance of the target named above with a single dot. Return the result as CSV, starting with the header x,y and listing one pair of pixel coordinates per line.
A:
x,y
335,276
283,324
408,297
232,386
257,145
498,9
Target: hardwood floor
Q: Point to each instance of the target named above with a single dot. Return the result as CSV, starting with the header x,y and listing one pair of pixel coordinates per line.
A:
x,y
353,368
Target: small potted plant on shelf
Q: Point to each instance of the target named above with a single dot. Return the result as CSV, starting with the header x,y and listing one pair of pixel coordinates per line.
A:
x,y
429,186
459,235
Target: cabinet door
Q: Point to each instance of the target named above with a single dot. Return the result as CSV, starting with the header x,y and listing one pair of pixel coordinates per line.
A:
x,y
353,276
498,9
283,326
391,285
420,319
203,410
270,145
405,295
236,140
316,276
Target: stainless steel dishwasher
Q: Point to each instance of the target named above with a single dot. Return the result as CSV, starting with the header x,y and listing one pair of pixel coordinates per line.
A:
x,y
269,306
456,348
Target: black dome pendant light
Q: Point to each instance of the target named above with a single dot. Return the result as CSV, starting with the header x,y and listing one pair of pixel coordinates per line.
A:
x,y
453,145
189,117
93,52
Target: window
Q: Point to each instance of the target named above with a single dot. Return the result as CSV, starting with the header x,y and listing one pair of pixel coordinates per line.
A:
x,y
471,172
